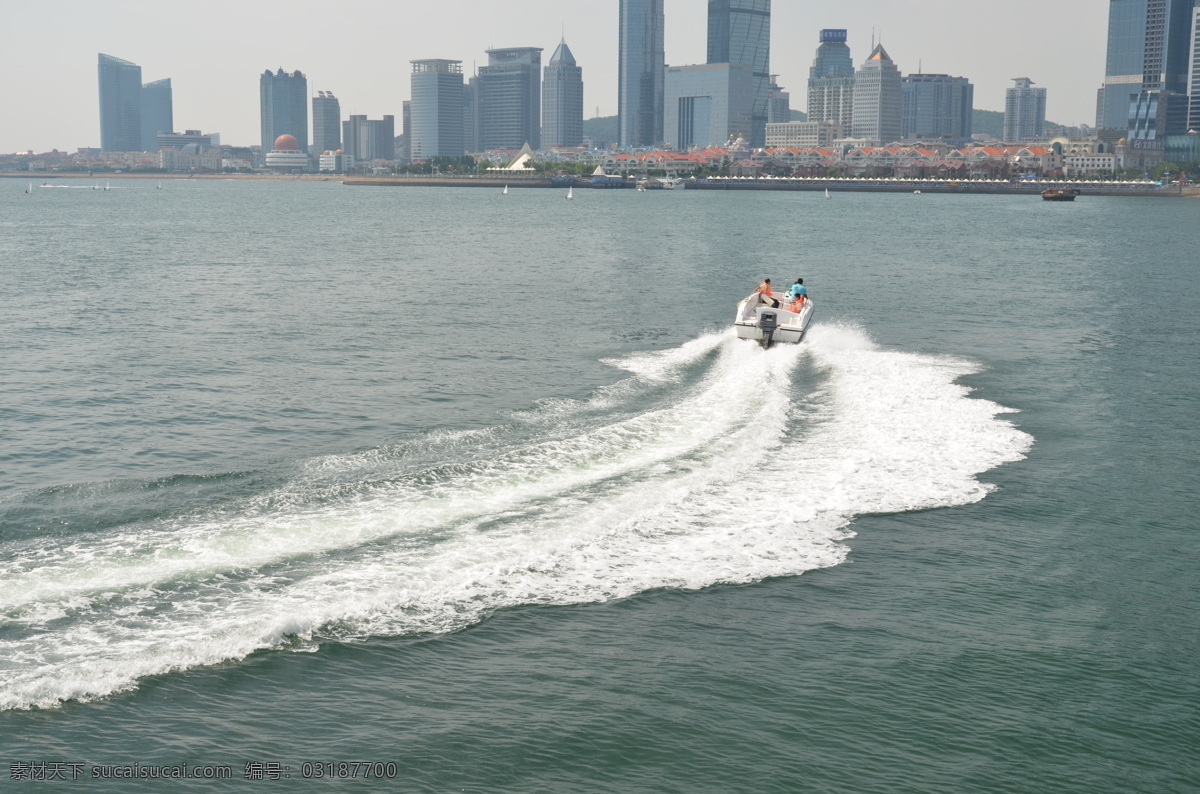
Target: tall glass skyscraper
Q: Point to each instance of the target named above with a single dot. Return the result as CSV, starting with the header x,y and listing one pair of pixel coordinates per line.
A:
x,y
157,113
327,122
641,63
283,101
1194,74
937,106
435,115
120,105
510,98
739,31
1145,82
831,80
878,100
562,100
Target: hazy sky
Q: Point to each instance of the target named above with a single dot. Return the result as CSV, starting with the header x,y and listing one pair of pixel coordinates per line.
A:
x,y
360,50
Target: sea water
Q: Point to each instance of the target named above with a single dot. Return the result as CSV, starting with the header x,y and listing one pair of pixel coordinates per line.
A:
x,y
484,488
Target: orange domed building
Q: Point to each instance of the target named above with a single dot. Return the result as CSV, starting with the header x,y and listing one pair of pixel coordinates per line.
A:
x,y
286,155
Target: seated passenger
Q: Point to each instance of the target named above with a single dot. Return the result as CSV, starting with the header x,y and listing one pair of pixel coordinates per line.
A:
x,y
765,289
797,303
798,288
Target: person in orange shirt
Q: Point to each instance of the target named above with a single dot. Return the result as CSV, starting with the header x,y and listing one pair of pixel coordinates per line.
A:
x,y
797,304
765,289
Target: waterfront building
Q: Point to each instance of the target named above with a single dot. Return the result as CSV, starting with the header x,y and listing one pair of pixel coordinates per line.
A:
x,y
286,156
283,107
1193,86
157,113
436,109
192,157
937,106
120,105
831,80
779,103
337,162
562,100
878,100
739,31
640,75
803,134
327,122
1146,71
510,98
471,115
707,104
1024,111
405,153
369,139
176,140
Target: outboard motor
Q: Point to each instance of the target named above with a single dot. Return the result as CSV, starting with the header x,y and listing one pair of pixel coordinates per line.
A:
x,y
767,322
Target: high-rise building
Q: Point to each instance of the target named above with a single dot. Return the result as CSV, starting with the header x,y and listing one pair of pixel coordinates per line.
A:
x,y
640,68
510,99
120,105
831,80
370,139
1024,111
937,106
739,31
562,100
1145,83
878,100
471,115
157,113
436,109
283,105
1193,88
327,122
707,104
779,104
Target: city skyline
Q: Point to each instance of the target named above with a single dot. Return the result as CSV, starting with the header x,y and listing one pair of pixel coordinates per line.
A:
x,y
55,104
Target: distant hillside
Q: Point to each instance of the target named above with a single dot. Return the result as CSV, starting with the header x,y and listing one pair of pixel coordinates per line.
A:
x,y
991,122
799,115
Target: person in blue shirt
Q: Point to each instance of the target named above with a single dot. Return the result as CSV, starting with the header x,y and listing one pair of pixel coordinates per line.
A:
x,y
799,289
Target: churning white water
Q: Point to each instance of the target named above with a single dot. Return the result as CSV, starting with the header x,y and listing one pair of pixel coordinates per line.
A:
x,y
714,462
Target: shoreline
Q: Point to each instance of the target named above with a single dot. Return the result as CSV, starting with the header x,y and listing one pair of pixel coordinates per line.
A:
x,y
794,184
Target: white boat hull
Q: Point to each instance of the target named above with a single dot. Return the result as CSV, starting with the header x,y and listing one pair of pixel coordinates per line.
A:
x,y
789,326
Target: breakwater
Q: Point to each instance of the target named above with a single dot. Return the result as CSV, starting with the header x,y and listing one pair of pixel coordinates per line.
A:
x,y
867,185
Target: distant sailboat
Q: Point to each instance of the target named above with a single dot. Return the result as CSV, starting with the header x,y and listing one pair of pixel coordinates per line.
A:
x,y
108,185
505,191
827,193
30,188
159,186
570,192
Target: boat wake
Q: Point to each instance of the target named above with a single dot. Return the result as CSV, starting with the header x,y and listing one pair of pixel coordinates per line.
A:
x,y
715,462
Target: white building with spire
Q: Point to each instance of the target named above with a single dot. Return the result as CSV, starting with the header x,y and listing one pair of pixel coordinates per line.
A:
x,y
562,100
878,100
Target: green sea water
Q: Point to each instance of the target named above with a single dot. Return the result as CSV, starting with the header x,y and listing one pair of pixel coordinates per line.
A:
x,y
472,492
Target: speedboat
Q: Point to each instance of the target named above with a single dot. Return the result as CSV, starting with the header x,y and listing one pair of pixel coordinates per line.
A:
x,y
757,320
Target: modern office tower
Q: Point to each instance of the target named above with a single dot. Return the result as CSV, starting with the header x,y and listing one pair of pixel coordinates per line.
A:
x,y
1193,88
640,73
1024,111
436,109
406,136
510,99
1145,81
120,105
779,104
739,31
370,139
327,122
878,100
562,100
707,104
471,115
831,81
283,102
937,106
157,113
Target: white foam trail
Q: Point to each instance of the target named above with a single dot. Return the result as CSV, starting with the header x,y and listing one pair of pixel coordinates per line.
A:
x,y
738,472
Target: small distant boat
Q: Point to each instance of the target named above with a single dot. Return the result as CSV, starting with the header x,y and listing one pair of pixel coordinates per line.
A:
x,y
755,319
30,188
570,192
1059,194
827,193
158,186
672,183
505,191
916,192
